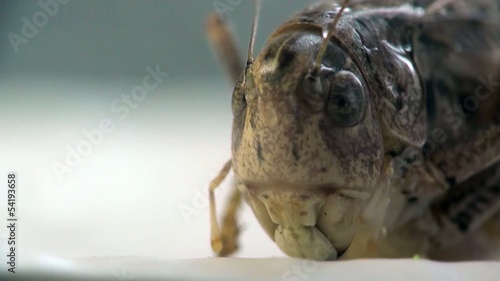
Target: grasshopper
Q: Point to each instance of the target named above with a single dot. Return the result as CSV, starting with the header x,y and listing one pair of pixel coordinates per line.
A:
x,y
368,129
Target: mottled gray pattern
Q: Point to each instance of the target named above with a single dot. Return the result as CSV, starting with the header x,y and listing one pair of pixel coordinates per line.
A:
x,y
418,69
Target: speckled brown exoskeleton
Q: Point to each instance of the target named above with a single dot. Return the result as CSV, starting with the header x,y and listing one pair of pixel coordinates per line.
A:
x,y
368,129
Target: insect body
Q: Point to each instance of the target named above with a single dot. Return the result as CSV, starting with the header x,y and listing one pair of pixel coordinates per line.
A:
x,y
370,131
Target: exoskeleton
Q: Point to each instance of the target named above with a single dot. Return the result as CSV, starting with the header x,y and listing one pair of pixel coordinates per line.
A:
x,y
370,129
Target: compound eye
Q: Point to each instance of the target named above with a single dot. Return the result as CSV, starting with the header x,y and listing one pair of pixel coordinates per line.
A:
x,y
347,101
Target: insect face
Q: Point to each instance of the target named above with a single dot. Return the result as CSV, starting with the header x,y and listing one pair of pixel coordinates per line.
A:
x,y
296,144
333,126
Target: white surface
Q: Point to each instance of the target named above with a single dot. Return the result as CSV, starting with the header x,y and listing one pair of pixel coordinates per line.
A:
x,y
124,198
286,269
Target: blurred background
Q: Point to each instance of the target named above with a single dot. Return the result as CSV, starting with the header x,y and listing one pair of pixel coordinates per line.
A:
x,y
115,39
99,173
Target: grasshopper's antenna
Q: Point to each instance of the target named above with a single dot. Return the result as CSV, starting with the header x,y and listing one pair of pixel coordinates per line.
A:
x,y
254,31
331,28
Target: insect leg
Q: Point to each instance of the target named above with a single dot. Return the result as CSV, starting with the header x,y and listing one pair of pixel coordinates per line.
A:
x,y
461,161
453,224
222,41
220,36
230,230
467,207
225,242
481,244
215,236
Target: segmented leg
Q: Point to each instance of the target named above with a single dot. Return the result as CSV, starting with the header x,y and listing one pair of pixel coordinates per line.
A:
x,y
472,171
447,196
455,225
464,160
224,241
221,39
215,237
481,244
467,208
230,230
